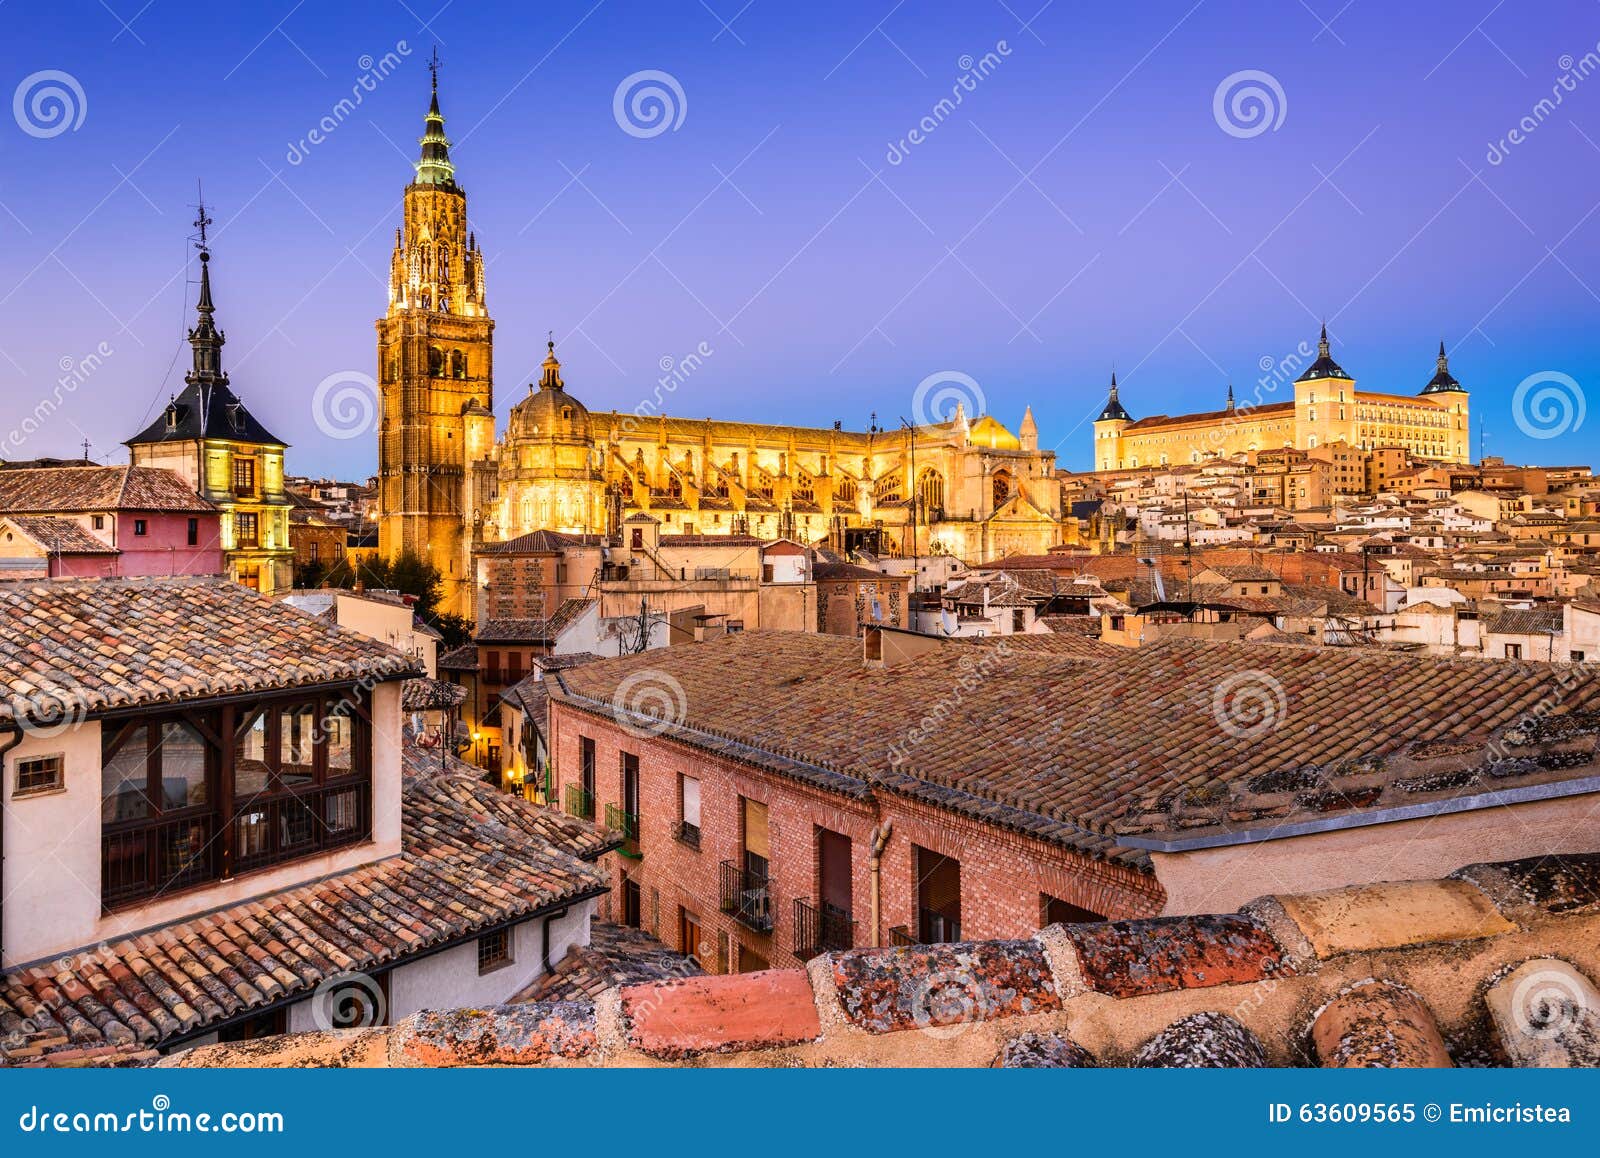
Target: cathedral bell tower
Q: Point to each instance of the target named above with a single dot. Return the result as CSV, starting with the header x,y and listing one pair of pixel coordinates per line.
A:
x,y
435,373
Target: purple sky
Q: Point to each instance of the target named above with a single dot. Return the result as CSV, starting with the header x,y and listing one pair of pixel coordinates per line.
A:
x,y
1083,207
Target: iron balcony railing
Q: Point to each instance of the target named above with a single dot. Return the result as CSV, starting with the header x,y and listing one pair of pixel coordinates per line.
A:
x,y
902,935
580,803
689,834
821,929
626,823
747,897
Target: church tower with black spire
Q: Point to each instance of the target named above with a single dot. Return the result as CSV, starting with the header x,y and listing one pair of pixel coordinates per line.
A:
x,y
435,374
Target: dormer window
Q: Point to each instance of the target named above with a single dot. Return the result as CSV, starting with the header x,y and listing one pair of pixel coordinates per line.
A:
x,y
172,418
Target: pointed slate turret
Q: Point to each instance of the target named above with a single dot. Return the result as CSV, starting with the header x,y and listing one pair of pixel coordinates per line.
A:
x,y
1324,366
1114,410
207,407
1442,381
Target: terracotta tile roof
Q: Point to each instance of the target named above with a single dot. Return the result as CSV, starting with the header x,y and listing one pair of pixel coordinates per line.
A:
x,y
97,488
539,543
1072,645
532,630
113,643
616,955
1181,736
463,658
424,695
826,572
1517,989
1537,621
472,858
505,814
60,536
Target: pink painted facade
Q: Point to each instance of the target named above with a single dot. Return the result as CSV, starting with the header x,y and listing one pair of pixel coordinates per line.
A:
x,y
166,548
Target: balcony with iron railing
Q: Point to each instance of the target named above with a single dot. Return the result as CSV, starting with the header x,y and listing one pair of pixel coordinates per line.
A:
x,y
689,834
747,897
821,929
141,858
902,935
627,823
579,802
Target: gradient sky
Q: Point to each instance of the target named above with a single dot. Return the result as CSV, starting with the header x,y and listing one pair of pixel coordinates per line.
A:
x,y
1082,209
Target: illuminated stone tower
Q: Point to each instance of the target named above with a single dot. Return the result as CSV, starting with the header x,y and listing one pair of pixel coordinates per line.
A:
x,y
435,373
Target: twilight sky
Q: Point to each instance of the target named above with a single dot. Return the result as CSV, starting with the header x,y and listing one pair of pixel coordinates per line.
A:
x,y
1095,199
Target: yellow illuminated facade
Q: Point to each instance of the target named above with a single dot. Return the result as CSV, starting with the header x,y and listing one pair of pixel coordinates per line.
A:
x,y
968,487
1327,410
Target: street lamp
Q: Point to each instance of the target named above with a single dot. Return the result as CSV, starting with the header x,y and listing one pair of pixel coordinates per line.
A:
x,y
476,756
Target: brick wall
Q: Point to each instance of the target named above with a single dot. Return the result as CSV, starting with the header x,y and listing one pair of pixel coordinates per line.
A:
x,y
519,587
1002,874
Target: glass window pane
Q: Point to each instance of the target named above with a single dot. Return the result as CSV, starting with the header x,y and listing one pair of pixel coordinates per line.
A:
x,y
125,777
297,745
183,767
339,728
250,759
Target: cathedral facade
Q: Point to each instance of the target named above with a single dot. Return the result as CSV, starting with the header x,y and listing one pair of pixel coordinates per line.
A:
x,y
1325,410
966,486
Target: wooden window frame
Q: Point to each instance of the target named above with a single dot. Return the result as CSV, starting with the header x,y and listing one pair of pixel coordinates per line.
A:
x,y
334,808
496,951
56,783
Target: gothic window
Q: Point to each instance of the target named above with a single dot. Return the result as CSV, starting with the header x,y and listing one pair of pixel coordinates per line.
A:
x,y
845,491
804,486
458,364
887,489
1002,485
930,491
435,362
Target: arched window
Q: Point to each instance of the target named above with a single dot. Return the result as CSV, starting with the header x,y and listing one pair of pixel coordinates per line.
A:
x,y
930,492
887,489
435,362
1002,485
458,364
804,486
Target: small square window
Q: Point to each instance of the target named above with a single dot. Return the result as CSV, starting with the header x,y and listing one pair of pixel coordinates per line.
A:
x,y
39,774
140,526
494,951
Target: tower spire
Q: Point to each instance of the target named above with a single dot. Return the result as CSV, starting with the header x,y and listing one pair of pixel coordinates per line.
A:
x,y
205,338
434,167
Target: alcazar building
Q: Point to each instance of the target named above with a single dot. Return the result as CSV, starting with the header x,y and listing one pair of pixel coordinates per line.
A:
x,y
1325,409
448,484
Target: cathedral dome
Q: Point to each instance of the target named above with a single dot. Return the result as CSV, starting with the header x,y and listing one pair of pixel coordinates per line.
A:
x,y
549,412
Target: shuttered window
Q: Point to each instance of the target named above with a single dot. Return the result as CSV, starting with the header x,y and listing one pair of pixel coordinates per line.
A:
x,y
691,801
756,841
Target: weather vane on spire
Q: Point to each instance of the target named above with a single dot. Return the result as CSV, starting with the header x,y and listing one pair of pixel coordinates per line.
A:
x,y
202,221
433,67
